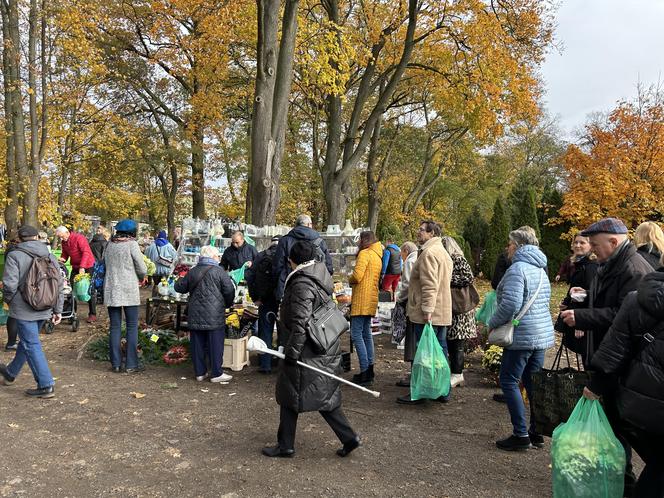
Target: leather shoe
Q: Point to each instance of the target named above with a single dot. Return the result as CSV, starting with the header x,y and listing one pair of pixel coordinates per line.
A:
x,y
349,446
407,400
499,397
404,382
277,451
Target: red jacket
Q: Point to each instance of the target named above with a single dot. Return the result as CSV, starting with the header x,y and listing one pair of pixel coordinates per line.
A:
x,y
77,249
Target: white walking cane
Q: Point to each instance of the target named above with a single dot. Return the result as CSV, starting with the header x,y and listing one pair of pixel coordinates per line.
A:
x,y
256,344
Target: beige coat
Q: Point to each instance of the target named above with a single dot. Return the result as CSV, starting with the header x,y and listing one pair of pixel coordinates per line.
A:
x,y
429,288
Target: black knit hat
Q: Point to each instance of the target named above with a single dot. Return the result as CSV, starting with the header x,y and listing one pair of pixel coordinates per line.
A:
x,y
302,251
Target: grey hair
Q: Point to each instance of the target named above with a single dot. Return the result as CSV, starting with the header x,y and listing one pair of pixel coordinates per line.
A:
x,y
61,229
524,235
451,246
409,247
209,252
303,220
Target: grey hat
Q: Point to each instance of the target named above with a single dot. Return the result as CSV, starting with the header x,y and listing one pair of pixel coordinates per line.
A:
x,y
523,236
27,231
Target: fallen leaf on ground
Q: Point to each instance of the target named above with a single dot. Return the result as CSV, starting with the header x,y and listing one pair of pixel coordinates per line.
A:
x,y
137,395
13,426
170,385
83,402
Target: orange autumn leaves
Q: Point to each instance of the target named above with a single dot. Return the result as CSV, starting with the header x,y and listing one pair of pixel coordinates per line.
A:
x,y
620,170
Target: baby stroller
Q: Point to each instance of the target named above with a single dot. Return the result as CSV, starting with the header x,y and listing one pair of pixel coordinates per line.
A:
x,y
68,307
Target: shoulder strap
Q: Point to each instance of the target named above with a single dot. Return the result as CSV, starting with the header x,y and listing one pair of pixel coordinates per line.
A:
x,y
25,274
200,278
530,302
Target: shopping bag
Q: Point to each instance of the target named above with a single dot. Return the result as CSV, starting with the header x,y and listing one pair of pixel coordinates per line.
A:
x,y
237,276
588,460
4,314
398,323
82,288
488,308
430,377
555,392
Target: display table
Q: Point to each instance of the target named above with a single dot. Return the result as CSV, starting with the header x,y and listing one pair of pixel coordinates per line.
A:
x,y
157,304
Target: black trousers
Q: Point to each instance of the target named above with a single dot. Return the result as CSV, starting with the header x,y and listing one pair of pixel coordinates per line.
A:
x,y
334,418
455,348
12,331
650,447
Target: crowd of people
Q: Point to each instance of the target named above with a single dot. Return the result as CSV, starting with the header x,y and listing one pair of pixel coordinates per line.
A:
x,y
611,316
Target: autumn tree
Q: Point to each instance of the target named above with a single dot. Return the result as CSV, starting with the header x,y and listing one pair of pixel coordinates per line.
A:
x,y
618,168
523,207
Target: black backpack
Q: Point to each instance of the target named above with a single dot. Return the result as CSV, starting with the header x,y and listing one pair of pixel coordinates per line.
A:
x,y
263,284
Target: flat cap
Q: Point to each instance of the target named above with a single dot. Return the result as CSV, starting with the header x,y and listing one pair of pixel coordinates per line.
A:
x,y
27,231
605,225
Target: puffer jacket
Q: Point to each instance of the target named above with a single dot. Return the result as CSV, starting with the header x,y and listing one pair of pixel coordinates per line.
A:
x,y
155,251
535,330
638,365
298,388
391,260
364,281
209,298
616,278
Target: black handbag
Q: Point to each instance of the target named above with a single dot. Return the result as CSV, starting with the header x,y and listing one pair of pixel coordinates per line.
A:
x,y
556,392
326,324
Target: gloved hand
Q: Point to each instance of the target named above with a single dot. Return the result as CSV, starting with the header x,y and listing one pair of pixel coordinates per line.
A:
x,y
290,361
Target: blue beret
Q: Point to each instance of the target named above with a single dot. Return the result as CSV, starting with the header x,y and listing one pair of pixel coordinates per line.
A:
x,y
126,225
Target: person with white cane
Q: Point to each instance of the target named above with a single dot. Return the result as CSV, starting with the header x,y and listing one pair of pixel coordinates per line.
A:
x,y
300,389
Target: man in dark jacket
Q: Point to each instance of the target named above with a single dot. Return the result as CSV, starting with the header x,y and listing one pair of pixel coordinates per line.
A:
x,y
620,271
262,286
211,291
238,253
28,320
303,231
630,362
299,389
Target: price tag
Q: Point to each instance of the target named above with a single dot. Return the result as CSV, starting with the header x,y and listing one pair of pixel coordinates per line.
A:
x,y
154,337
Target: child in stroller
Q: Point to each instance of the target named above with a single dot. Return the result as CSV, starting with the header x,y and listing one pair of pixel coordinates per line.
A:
x,y
68,307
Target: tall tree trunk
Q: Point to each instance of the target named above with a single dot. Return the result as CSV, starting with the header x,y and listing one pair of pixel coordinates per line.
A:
x,y
274,74
373,198
197,173
11,209
357,133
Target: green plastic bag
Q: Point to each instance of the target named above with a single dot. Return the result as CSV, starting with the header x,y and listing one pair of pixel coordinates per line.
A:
x,y
82,290
430,378
588,460
488,308
237,276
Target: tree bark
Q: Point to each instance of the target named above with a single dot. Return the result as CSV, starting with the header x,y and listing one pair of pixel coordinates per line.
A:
x,y
373,198
197,174
11,209
274,74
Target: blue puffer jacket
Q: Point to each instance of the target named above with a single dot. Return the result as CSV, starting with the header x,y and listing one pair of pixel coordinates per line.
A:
x,y
535,331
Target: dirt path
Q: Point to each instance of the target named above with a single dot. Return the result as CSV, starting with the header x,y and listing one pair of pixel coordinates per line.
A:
x,y
200,439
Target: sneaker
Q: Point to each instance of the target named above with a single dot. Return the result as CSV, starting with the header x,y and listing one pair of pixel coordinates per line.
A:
x,y
514,443
222,378
92,318
11,347
201,378
5,378
537,440
457,380
41,392
135,370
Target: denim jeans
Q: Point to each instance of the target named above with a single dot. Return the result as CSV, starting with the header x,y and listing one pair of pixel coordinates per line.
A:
x,y
519,366
360,332
267,314
441,335
131,319
30,350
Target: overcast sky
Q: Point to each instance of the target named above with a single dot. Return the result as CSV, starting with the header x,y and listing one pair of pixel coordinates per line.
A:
x,y
608,46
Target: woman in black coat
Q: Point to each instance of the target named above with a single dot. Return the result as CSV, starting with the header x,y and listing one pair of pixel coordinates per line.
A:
x,y
629,375
649,241
211,291
299,389
584,270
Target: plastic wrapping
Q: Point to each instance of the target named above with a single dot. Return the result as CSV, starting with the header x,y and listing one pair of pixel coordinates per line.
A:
x,y
430,377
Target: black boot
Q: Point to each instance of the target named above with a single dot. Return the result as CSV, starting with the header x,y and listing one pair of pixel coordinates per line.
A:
x,y
362,378
371,372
